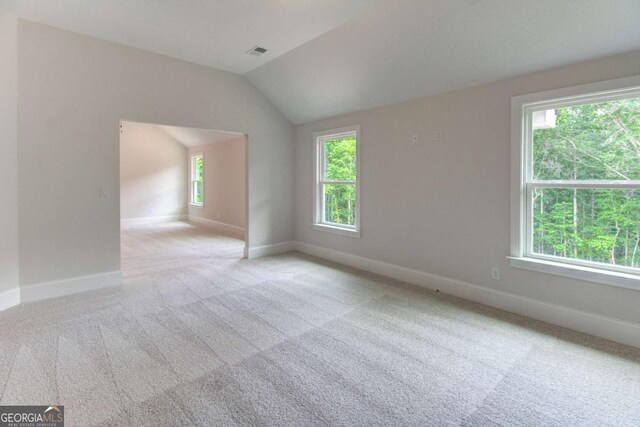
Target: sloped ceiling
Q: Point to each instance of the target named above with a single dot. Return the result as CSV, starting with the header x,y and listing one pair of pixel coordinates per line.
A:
x,y
406,49
330,57
192,137
216,33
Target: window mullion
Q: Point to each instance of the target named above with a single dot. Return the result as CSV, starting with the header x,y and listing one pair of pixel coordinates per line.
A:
x,y
584,184
339,182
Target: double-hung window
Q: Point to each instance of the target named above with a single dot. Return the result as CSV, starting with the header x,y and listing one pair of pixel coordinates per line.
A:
x,y
576,182
197,180
337,181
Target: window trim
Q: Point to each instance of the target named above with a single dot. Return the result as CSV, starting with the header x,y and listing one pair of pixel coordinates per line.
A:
x,y
192,171
318,161
521,253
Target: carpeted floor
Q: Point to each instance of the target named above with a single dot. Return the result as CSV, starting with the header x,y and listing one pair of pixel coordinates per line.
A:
x,y
196,336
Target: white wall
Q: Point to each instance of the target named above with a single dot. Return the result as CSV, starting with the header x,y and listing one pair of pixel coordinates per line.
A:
x,y
442,206
153,173
224,182
73,91
8,153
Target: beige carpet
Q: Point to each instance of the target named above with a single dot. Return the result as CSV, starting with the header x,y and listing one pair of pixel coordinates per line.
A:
x,y
196,336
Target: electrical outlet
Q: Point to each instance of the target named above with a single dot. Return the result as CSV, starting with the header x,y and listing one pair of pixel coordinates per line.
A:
x,y
415,138
105,192
438,135
495,273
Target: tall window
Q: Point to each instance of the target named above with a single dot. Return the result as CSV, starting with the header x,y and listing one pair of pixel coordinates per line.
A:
x,y
337,181
580,180
197,180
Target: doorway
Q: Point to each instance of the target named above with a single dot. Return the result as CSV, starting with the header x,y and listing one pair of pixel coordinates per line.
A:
x,y
183,196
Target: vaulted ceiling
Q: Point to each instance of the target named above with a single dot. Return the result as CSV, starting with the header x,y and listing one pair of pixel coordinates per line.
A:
x,y
329,57
216,33
406,49
192,137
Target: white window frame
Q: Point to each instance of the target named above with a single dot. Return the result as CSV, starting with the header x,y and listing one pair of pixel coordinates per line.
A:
x,y
522,183
318,182
193,180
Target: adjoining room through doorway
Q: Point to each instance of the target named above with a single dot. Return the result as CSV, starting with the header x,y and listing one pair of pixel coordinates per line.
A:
x,y
183,197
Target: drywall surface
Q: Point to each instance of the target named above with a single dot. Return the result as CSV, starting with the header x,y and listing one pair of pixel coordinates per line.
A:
x,y
224,182
442,205
73,92
9,152
153,173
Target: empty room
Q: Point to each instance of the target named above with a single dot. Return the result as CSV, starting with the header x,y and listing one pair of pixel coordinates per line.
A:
x,y
320,212
182,208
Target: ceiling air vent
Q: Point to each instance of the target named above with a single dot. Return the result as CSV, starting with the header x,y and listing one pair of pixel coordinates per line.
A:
x,y
257,51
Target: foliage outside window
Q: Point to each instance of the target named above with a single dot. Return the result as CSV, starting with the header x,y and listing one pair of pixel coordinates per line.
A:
x,y
197,180
581,179
337,183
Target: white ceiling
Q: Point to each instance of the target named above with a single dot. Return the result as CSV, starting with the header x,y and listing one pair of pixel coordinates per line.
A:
x,y
406,49
192,137
329,57
217,33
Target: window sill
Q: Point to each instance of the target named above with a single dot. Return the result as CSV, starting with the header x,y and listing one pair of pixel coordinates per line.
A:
x,y
590,274
193,205
336,230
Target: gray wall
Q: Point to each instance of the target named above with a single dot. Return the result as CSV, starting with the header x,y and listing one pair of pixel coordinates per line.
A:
x,y
224,182
9,152
73,91
443,205
153,173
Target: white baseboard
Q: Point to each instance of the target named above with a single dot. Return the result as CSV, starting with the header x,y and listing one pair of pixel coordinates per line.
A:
x,y
274,249
605,327
9,298
69,286
220,227
128,222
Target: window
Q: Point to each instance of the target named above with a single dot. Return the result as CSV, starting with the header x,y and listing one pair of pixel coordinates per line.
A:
x,y
197,180
337,181
576,192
